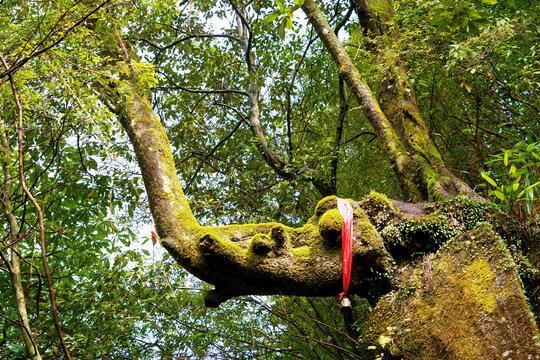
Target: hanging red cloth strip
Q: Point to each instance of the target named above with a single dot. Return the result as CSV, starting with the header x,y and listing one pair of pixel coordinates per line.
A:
x,y
346,211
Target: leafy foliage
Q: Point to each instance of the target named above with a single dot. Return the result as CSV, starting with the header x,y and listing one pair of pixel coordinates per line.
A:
x,y
516,184
473,66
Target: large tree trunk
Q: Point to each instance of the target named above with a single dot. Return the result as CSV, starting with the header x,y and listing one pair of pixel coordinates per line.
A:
x,y
465,302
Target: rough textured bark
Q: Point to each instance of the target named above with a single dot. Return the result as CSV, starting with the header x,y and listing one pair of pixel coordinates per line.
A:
x,y
465,302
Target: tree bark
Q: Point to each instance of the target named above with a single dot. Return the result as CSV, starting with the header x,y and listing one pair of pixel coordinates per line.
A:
x,y
464,302
14,267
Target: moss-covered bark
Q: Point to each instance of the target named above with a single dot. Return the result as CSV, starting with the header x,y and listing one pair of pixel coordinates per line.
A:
x,y
465,302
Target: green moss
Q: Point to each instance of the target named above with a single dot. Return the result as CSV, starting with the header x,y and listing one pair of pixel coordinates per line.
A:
x,y
325,204
215,247
464,303
261,244
379,209
480,280
364,231
377,200
304,251
307,235
383,8
330,225
465,211
417,236
432,183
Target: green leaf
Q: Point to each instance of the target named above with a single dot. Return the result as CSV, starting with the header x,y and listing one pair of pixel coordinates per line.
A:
x,y
533,185
505,160
281,29
498,194
273,16
288,23
441,20
488,179
489,2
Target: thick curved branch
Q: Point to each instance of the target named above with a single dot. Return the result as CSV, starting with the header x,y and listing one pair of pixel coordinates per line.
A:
x,y
261,258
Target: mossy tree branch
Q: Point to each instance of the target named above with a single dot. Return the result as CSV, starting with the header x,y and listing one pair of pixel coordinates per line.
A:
x,y
267,258
398,123
243,259
239,259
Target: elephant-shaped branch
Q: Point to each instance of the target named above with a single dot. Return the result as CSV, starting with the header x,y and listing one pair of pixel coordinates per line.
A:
x,y
272,258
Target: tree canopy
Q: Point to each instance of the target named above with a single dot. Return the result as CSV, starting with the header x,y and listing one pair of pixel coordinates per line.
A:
x,y
225,131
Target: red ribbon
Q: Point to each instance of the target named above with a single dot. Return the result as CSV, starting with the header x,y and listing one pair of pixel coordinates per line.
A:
x,y
345,210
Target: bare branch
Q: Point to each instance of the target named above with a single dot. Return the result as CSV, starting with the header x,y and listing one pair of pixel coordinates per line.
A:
x,y
198,91
162,48
221,142
289,89
343,107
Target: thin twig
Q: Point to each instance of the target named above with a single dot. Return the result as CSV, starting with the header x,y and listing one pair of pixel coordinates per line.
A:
x,y
343,107
221,142
289,89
